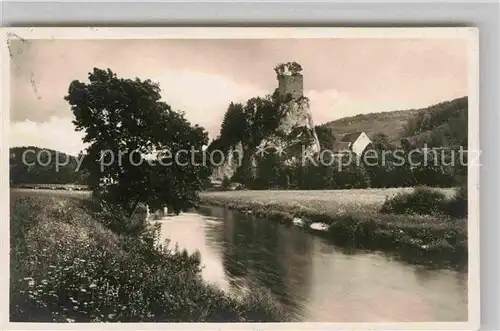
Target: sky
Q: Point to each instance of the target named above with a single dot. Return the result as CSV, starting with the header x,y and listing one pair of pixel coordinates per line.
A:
x,y
342,77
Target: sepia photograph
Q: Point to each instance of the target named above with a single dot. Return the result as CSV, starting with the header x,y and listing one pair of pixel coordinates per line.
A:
x,y
241,175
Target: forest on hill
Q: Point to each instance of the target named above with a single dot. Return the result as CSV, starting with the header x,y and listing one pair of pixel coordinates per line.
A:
x,y
442,124
35,165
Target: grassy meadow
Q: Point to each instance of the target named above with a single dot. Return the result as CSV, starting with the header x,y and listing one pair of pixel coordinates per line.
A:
x,y
324,201
68,266
353,217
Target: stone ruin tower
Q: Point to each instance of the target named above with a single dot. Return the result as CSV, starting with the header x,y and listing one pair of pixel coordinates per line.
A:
x,y
290,80
296,122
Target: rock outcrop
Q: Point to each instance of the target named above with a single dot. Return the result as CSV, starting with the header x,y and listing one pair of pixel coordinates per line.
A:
x,y
294,137
232,161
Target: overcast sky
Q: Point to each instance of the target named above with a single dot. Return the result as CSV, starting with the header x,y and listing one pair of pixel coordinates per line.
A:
x,y
342,77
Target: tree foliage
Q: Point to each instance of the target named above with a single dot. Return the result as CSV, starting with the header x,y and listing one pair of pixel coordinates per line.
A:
x,y
262,118
443,124
234,125
289,68
248,123
34,165
124,122
380,142
326,137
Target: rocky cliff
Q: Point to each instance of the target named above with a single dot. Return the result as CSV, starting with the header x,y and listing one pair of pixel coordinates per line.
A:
x,y
295,134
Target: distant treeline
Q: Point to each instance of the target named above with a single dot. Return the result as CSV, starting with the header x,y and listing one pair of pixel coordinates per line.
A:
x,y
338,174
43,166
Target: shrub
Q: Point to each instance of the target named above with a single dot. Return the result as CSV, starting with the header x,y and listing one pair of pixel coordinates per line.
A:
x,y
423,200
457,206
226,183
114,218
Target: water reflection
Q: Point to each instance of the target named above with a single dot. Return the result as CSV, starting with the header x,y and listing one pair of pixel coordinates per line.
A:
x,y
313,279
269,255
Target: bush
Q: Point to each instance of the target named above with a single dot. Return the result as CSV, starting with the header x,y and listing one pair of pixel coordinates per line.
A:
x,y
226,183
423,200
114,218
427,201
457,206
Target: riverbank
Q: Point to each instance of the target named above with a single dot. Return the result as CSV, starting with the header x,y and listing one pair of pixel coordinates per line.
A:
x,y
68,266
351,218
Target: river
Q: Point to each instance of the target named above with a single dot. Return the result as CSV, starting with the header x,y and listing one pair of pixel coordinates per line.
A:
x,y
314,280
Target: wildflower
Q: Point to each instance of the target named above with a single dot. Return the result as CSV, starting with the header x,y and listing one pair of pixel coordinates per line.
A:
x,y
70,320
31,283
45,282
92,285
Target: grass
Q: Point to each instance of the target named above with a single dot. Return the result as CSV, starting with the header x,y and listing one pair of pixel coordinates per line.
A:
x,y
353,218
326,201
67,266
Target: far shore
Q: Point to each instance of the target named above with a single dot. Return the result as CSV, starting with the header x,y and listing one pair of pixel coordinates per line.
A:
x,y
352,218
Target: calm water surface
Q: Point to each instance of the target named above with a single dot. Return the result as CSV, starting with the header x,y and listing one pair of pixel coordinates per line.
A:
x,y
313,279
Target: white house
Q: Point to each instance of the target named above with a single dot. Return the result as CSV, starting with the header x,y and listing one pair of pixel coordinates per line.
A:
x,y
355,142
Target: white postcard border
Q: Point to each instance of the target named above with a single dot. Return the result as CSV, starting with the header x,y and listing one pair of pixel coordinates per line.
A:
x,y
471,34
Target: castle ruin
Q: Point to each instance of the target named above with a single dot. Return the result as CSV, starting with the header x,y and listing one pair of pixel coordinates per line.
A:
x,y
295,109
290,80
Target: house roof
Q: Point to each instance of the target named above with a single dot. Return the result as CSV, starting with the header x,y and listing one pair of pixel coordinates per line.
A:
x,y
351,137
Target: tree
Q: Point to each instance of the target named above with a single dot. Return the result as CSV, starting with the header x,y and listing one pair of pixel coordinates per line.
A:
x,y
125,122
289,68
233,127
380,142
262,118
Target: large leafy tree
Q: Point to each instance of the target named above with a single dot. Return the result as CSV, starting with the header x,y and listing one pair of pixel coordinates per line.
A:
x,y
125,122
